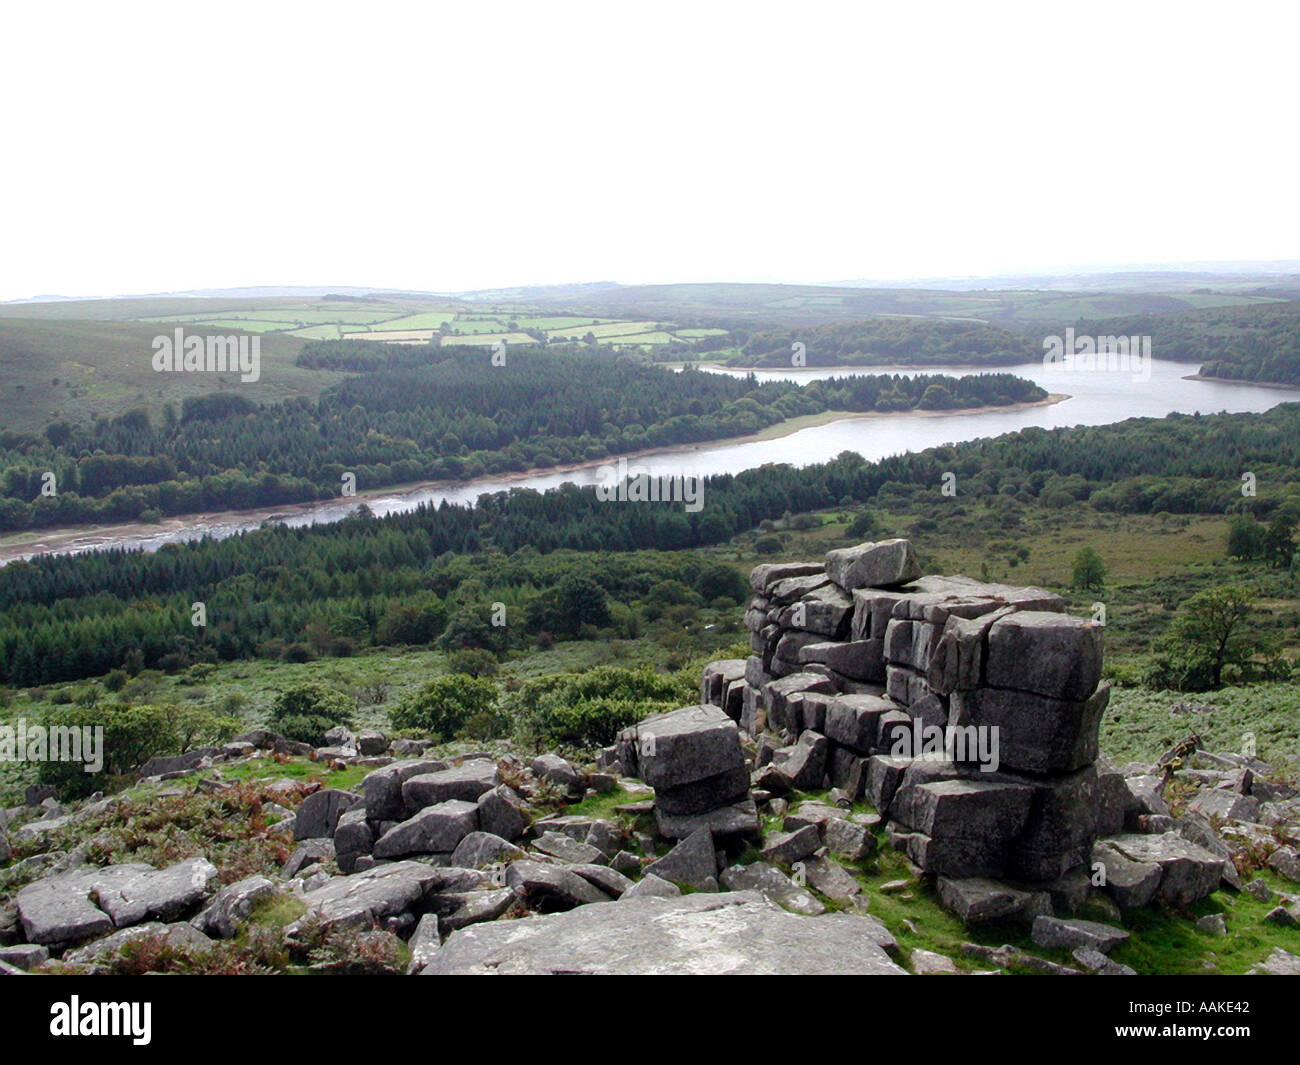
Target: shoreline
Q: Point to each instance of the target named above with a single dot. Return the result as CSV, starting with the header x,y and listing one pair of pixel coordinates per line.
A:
x,y
810,421
79,538
1242,381
854,369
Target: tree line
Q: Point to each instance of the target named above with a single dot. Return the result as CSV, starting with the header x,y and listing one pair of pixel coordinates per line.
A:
x,y
882,341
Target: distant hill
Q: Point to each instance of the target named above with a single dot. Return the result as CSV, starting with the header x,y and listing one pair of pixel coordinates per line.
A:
x,y
733,305
1224,277
534,293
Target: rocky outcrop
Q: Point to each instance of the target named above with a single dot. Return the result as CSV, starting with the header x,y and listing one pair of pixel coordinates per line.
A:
x,y
966,712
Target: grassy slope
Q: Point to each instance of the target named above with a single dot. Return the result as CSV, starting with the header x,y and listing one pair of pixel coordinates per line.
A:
x,y
105,368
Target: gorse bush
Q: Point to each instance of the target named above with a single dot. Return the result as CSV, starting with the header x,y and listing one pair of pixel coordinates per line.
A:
x,y
473,662
445,705
307,711
589,709
132,735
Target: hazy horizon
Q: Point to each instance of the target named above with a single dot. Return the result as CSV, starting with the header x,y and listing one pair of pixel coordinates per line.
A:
x,y
1240,268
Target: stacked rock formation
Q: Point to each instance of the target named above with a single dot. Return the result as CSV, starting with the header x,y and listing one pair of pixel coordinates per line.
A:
x,y
965,712
694,760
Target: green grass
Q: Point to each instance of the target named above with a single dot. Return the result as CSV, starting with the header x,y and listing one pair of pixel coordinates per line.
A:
x,y
318,332
268,769
637,339
601,807
606,329
423,320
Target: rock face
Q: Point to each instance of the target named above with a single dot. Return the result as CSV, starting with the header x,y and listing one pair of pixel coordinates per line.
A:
x,y
965,711
737,933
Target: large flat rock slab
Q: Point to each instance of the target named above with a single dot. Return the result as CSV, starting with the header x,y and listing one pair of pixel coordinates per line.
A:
x,y
737,933
58,909
88,901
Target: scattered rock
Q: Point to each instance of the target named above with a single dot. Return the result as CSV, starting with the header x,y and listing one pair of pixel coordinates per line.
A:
x,y
232,905
480,849
461,909
179,936
560,846
435,829
25,956
790,847
319,813
1187,872
465,782
1214,923
364,899
1259,889
691,862
424,944
1279,963
1057,933
978,900
1097,962
501,812
1285,861
558,771
928,963
830,878
308,853
651,886
548,888
774,885
885,564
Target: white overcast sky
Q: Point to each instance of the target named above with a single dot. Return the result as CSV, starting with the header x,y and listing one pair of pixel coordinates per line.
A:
x,y
457,146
